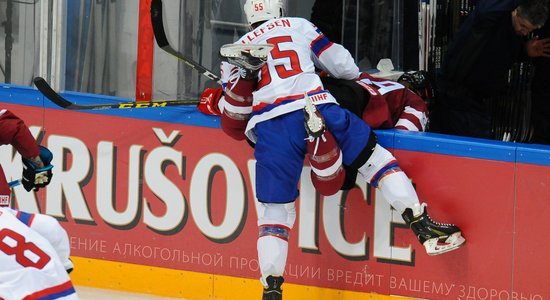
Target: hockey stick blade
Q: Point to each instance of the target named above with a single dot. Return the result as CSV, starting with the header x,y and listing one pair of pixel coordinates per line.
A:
x,y
47,91
162,41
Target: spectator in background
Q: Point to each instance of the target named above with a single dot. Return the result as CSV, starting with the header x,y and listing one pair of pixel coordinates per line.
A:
x,y
541,92
491,39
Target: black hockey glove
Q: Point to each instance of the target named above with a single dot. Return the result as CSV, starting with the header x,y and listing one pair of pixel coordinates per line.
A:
x,y
37,172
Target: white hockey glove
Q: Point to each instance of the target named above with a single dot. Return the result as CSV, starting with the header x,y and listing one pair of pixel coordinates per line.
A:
x,y
37,171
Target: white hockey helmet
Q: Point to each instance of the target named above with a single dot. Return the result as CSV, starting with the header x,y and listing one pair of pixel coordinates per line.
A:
x,y
263,10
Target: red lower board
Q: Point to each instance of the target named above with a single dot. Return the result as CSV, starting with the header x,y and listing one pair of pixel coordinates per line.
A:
x,y
182,197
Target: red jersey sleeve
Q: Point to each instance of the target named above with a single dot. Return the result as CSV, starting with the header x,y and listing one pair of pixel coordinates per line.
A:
x,y
14,132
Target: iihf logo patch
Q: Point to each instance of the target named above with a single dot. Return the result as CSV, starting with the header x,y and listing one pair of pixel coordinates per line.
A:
x,y
4,200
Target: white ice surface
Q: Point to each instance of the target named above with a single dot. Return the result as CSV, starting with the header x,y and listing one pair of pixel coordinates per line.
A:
x,y
88,293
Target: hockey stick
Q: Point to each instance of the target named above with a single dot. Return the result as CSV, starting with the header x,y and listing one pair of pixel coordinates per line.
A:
x,y
162,41
47,91
14,183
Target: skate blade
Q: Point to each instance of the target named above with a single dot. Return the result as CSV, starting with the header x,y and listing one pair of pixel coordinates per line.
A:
x,y
255,50
453,242
315,124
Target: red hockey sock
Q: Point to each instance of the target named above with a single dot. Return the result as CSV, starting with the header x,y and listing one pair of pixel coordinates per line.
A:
x,y
325,158
238,98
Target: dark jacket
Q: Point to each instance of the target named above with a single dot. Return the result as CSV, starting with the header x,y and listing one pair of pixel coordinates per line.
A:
x,y
483,50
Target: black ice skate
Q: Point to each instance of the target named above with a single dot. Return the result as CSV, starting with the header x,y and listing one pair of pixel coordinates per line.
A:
x,y
69,266
314,122
437,238
273,290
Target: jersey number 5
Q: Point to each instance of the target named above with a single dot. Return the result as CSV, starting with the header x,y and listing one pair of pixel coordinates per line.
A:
x,y
26,254
282,67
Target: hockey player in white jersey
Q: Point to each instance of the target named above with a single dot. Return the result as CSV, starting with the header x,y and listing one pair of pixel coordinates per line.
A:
x,y
277,101
30,268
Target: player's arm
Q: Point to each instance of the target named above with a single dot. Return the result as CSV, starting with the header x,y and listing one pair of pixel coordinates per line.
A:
x,y
48,227
330,57
36,159
16,133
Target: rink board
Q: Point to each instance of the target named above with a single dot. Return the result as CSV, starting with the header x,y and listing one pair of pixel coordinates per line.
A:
x,y
160,201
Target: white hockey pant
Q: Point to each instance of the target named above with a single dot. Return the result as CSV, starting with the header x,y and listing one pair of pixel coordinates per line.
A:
x,y
390,180
275,222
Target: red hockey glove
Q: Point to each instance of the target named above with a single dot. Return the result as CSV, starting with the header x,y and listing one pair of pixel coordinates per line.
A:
x,y
210,98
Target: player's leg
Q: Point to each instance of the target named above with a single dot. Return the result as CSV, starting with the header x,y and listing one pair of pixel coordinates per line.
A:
x,y
382,171
380,168
279,151
325,157
275,222
236,105
240,69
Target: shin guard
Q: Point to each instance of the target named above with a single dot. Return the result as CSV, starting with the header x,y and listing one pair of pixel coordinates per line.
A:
x,y
237,105
275,222
382,171
399,192
325,158
272,250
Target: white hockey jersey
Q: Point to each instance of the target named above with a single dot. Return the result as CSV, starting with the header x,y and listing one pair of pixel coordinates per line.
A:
x,y
299,47
29,266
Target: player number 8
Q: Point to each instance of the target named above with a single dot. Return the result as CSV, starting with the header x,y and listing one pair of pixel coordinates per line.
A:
x,y
26,254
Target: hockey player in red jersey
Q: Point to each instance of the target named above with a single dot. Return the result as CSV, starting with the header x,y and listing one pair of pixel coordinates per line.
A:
x,y
275,99
381,103
37,173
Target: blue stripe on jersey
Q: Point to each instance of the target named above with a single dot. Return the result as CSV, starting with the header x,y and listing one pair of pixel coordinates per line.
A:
x,y
24,217
320,44
284,100
59,294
